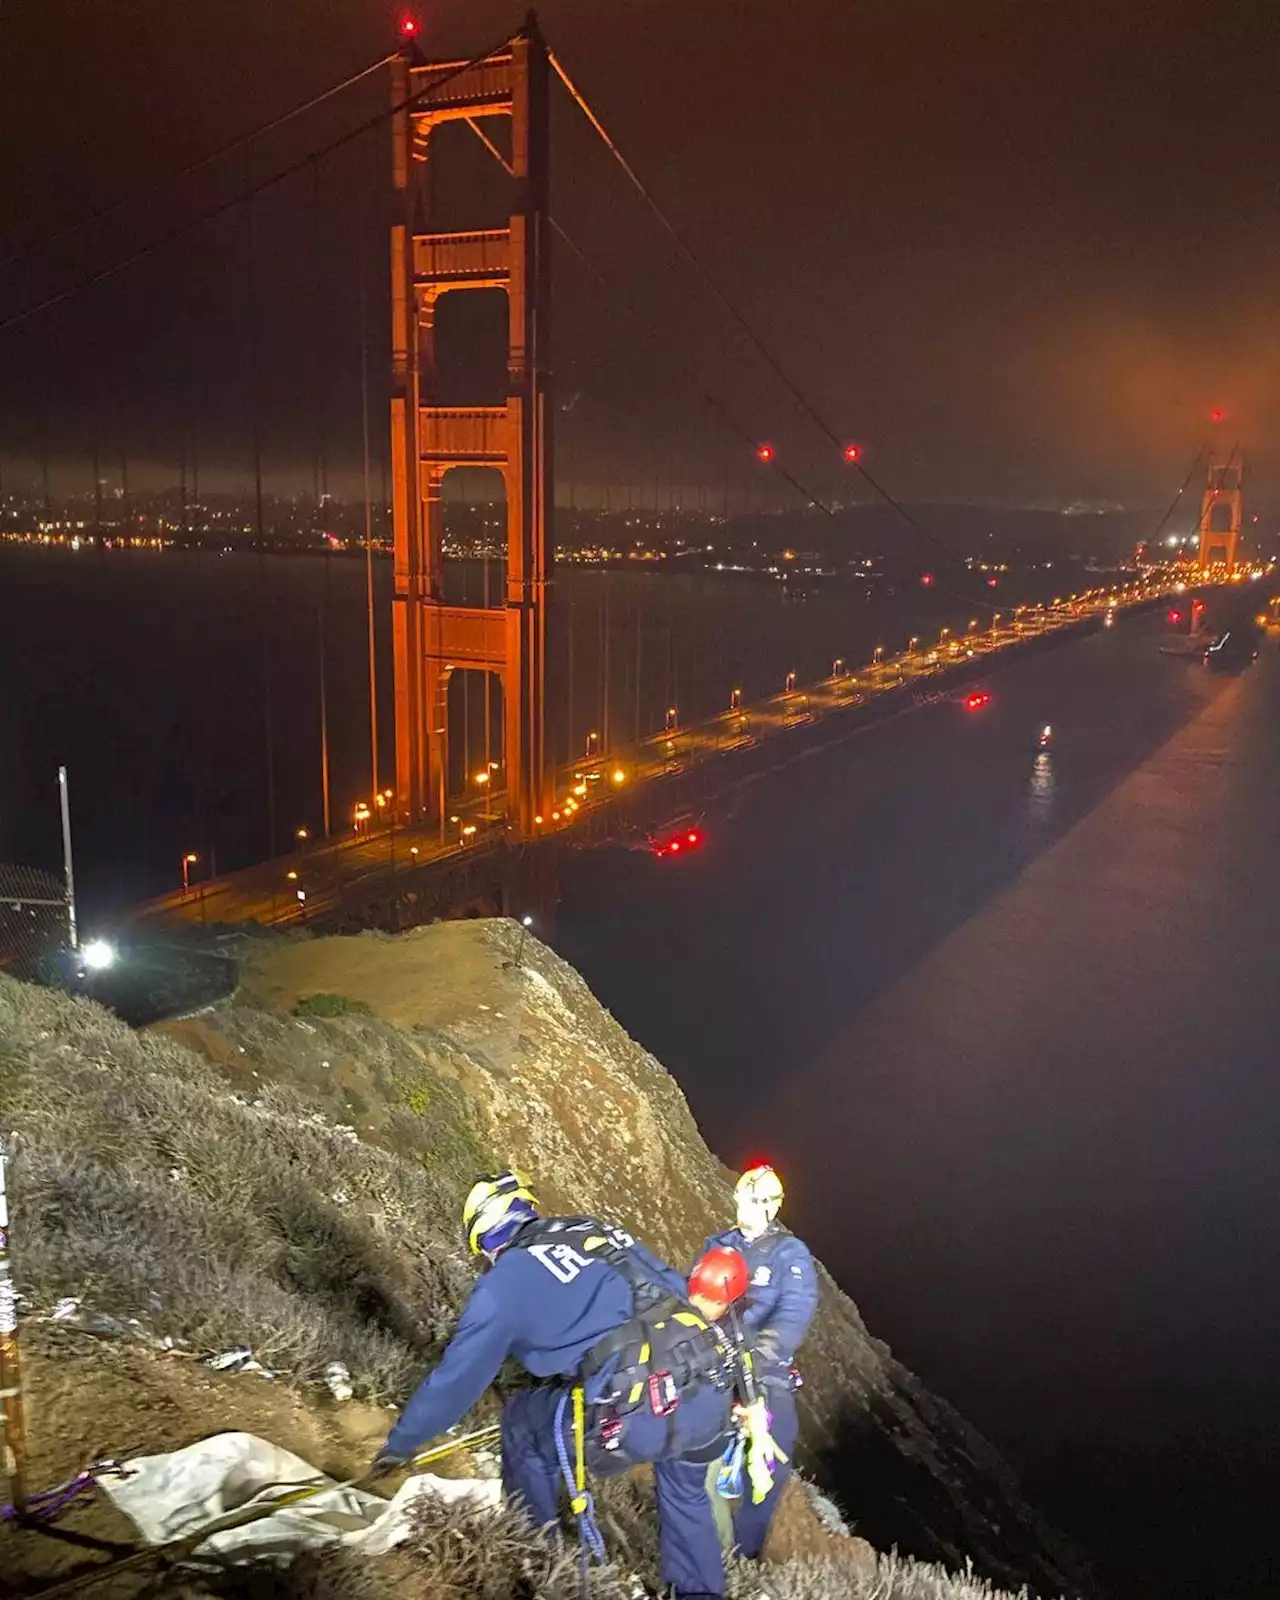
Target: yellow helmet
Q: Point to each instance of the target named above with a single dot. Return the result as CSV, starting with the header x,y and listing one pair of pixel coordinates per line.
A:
x,y
763,1185
496,1206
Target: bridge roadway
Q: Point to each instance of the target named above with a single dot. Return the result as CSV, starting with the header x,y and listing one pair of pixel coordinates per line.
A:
x,y
312,883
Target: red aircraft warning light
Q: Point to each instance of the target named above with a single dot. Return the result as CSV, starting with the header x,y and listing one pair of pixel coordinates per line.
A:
x,y
1217,414
764,454
679,843
926,578
852,453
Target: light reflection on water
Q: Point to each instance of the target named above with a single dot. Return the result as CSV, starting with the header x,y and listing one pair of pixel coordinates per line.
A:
x,y
1041,786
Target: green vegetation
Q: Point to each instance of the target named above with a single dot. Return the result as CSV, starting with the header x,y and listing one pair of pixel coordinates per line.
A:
x,y
331,1005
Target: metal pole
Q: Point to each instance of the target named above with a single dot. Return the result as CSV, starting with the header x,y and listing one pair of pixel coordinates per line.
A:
x,y
14,1450
68,866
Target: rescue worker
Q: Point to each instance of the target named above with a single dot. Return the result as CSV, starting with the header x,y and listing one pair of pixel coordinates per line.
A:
x,y
779,1306
643,1377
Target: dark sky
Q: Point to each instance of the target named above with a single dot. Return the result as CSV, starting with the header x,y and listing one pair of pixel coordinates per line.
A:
x,y
1018,250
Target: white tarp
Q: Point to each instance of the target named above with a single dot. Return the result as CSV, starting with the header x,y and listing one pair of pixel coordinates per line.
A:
x,y
175,1495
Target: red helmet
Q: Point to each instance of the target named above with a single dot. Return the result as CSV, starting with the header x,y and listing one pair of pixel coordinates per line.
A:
x,y
720,1276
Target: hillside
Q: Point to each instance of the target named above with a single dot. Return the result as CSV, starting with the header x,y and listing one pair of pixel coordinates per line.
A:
x,y
283,1172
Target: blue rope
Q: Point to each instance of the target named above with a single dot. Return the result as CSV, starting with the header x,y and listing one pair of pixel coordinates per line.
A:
x,y
589,1534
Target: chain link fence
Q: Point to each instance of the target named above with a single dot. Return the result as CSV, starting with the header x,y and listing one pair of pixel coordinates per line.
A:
x,y
33,923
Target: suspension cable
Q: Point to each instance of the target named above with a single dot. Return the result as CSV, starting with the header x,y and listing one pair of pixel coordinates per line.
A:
x,y
1173,504
212,213
739,318
720,411
138,195
593,268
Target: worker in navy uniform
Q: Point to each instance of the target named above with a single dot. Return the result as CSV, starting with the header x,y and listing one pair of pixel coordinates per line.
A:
x,y
640,1372
781,1299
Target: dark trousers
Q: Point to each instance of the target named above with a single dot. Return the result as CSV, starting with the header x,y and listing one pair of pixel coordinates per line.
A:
x,y
751,1521
689,1549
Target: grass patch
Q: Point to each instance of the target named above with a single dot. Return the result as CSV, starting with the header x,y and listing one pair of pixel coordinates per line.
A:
x,y
331,1005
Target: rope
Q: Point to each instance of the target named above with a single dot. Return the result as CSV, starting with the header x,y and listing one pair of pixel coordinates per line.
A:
x,y
590,1538
48,1504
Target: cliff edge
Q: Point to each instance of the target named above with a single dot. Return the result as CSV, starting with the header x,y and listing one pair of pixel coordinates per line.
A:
x,y
283,1171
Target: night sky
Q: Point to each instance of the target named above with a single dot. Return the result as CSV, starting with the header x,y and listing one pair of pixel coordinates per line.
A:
x,y
1019,251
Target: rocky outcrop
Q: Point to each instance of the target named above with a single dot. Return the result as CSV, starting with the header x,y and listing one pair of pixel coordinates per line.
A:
x,y
561,1091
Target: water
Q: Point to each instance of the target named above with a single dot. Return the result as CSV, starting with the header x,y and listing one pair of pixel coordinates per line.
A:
x,y
162,680
1006,1021
1007,1024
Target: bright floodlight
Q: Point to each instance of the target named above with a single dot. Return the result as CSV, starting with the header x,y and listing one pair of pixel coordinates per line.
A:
x,y
528,921
98,955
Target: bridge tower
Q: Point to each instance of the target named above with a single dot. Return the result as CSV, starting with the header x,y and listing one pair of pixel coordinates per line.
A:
x,y
433,639
1221,512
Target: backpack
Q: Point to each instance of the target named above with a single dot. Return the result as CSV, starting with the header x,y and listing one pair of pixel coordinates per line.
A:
x,y
596,1241
664,1348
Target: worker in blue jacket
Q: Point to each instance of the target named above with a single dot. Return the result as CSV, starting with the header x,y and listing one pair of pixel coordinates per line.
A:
x,y
561,1296
779,1306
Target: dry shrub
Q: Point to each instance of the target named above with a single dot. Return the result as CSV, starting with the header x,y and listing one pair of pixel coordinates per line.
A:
x,y
455,1553
144,1184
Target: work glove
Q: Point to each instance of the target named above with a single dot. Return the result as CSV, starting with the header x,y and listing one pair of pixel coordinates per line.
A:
x,y
764,1454
388,1461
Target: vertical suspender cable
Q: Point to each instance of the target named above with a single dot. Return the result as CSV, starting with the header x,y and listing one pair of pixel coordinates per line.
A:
x,y
322,619
608,642
488,691
264,610
320,487
374,787
639,649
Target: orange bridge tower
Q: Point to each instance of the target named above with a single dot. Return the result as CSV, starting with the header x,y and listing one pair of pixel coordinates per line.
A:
x,y
433,639
1222,512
